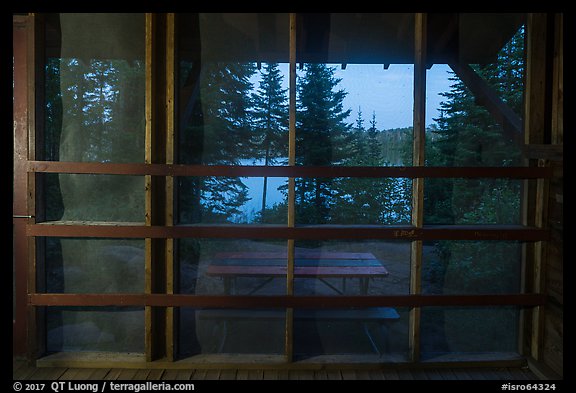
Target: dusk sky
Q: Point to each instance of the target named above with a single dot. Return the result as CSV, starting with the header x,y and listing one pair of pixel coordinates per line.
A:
x,y
389,93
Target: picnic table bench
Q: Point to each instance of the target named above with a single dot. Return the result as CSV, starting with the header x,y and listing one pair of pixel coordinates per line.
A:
x,y
308,264
380,316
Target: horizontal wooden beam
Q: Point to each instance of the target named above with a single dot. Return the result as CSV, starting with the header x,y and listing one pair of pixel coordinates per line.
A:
x,y
141,169
275,362
428,232
202,301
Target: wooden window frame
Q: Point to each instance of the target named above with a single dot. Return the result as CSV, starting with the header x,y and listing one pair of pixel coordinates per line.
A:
x,y
161,299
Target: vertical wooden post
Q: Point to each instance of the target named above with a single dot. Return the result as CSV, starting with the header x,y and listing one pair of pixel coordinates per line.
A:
x,y
36,341
557,121
149,108
21,27
535,192
291,188
171,263
418,183
155,186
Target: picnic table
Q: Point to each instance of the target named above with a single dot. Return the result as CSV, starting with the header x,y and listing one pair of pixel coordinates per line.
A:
x,y
319,265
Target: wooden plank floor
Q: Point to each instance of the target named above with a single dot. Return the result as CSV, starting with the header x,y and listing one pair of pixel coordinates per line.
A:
x,y
22,371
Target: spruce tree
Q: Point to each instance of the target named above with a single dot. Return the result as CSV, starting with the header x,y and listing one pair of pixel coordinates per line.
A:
x,y
359,120
374,150
467,135
269,122
218,133
372,201
357,146
323,138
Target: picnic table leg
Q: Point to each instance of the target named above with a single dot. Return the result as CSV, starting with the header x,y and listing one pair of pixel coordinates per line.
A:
x,y
385,329
330,286
228,285
262,284
364,285
369,335
224,336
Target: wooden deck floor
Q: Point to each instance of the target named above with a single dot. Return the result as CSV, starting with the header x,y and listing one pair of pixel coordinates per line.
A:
x,y
21,371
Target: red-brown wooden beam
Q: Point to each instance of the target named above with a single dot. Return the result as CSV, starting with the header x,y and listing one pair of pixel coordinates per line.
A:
x,y
20,180
430,232
181,300
286,171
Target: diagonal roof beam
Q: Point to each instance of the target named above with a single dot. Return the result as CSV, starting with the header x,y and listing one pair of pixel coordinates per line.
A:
x,y
488,98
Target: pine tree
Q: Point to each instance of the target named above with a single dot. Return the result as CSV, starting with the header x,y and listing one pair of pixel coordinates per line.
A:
x,y
374,150
269,122
100,79
218,133
359,120
323,138
371,201
94,112
467,135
